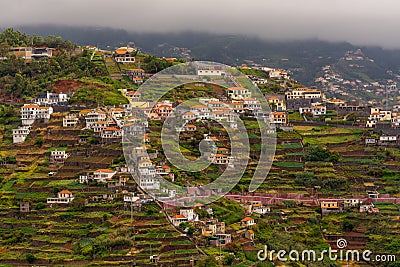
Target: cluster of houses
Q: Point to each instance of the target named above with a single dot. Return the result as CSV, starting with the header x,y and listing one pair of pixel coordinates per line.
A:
x,y
135,75
29,114
339,206
41,108
106,123
379,115
304,100
335,84
386,124
213,230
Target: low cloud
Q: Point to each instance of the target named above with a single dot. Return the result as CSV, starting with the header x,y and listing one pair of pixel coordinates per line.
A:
x,y
364,22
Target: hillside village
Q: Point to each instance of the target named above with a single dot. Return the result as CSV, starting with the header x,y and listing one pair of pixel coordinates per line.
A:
x,y
350,78
68,195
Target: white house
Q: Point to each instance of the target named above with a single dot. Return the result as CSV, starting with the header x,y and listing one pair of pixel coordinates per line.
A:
x,y
351,202
94,116
20,134
189,214
100,126
247,222
251,104
134,96
130,198
199,108
49,99
238,93
44,113
178,219
273,73
276,104
70,120
63,197
370,141
219,159
318,110
149,183
32,112
58,156
388,138
205,70
111,132
378,115
278,118
40,52
116,113
303,93
125,55
102,175
259,208
189,116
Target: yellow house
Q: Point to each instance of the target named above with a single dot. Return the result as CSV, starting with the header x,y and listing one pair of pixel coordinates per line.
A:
x,y
329,205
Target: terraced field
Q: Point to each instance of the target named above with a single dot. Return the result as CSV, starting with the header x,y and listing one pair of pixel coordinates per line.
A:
x,y
97,229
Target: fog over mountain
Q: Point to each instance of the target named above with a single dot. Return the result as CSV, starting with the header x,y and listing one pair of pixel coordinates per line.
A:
x,y
360,22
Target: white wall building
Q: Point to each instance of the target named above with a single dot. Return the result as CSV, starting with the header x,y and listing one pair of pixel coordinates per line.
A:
x,y
32,112
49,99
70,121
58,156
94,116
189,214
149,183
238,93
20,134
303,93
63,197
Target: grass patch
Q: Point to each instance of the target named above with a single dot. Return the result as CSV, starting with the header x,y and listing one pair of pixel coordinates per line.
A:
x,y
324,140
288,164
289,146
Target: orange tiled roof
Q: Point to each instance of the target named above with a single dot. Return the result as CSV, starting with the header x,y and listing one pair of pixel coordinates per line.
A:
x,y
105,170
30,106
65,192
121,51
178,217
112,129
199,106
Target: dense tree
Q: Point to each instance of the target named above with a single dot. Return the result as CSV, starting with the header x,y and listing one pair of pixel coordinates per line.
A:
x,y
319,153
154,64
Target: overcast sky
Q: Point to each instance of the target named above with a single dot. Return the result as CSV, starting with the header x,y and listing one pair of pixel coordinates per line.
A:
x,y
373,22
